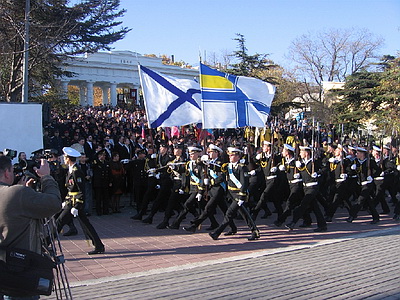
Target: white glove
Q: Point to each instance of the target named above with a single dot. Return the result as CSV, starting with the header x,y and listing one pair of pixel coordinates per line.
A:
x,y
172,167
240,202
181,192
274,169
369,179
206,181
258,156
158,187
382,174
157,176
199,196
151,170
63,204
282,168
242,161
153,156
125,161
252,172
343,176
354,167
332,160
204,158
314,175
398,168
298,164
74,212
296,175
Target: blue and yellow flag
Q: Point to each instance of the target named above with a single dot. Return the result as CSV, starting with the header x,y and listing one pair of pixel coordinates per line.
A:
x,y
230,101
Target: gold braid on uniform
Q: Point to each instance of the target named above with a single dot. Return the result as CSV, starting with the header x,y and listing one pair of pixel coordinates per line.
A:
x,y
146,165
224,167
333,166
187,172
304,168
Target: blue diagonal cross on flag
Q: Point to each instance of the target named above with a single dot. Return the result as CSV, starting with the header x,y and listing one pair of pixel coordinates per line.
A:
x,y
169,101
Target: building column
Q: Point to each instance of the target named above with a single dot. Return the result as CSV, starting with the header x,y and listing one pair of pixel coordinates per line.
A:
x,y
89,88
64,89
113,94
104,90
82,94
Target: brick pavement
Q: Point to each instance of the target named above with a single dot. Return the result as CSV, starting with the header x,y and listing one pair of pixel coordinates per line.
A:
x,y
136,248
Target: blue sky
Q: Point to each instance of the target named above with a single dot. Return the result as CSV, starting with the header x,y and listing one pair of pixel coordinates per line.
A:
x,y
184,27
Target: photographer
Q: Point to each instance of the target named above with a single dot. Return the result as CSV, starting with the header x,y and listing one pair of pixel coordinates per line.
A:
x,y
21,208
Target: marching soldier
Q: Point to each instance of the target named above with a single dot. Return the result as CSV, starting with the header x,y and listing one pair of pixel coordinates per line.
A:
x,y
178,194
309,173
74,204
194,170
288,166
268,162
214,181
237,178
366,169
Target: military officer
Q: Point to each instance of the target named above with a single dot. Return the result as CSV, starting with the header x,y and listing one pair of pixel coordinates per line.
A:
x,y
74,204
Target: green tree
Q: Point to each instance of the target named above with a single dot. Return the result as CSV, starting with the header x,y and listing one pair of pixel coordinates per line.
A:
x,y
58,30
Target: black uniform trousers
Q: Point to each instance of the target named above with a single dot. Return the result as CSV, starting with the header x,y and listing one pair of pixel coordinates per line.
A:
x,y
308,202
269,193
66,217
175,202
150,194
341,195
231,213
365,198
190,205
294,199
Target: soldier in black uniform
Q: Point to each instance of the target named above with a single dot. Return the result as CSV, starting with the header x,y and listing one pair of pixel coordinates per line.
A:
x,y
367,169
288,166
74,204
309,172
164,184
101,183
178,194
339,167
385,180
268,162
194,170
150,166
215,186
237,178
137,168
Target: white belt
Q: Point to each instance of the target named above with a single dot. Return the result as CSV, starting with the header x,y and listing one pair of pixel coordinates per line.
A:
x,y
310,184
177,178
270,177
340,180
365,182
378,178
296,180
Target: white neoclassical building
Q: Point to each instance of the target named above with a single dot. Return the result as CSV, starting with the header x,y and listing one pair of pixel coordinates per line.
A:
x,y
112,70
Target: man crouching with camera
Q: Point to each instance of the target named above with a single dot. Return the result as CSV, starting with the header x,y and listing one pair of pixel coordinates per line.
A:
x,y
22,208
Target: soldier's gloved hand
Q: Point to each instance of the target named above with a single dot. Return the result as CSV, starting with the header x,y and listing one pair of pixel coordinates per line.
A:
x,y
125,161
314,175
181,192
74,212
242,161
296,175
240,202
206,181
298,164
158,187
331,160
63,204
369,179
343,176
153,156
152,170
274,169
205,159
172,167
252,172
282,168
199,196
158,176
382,174
353,167
258,156
398,168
